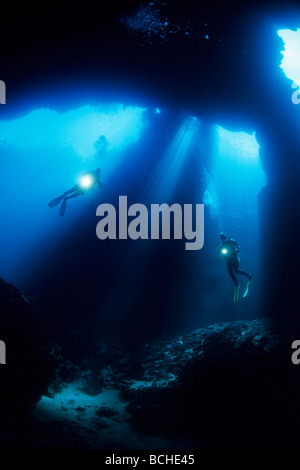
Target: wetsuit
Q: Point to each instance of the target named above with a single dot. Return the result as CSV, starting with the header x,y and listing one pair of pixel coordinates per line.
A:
x,y
232,259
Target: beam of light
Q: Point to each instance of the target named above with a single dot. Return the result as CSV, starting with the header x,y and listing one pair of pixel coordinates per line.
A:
x,y
210,197
232,183
161,188
42,155
237,178
236,175
237,145
167,175
237,170
290,63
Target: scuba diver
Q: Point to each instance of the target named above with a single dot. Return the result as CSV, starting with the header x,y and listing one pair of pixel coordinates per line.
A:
x,y
87,181
229,249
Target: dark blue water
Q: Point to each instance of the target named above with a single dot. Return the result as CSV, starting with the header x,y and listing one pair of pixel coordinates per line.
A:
x,y
139,287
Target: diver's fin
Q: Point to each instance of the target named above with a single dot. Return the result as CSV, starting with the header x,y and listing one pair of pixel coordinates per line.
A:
x,y
236,293
55,201
248,286
62,209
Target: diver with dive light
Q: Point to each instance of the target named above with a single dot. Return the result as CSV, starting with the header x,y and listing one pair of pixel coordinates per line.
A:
x,y
229,248
88,180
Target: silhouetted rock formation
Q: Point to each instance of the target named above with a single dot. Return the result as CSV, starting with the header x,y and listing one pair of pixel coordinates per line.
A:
x,y
31,356
229,386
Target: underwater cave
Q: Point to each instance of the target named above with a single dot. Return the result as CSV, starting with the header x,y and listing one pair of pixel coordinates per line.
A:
x,y
186,106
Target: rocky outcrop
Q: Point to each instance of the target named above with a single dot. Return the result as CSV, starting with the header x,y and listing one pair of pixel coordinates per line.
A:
x,y
31,356
229,386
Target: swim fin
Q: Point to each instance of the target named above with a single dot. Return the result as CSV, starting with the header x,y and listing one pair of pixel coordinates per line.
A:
x,y
55,201
236,293
248,286
62,209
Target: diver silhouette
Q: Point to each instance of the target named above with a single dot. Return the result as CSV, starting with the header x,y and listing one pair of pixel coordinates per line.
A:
x,y
229,249
88,180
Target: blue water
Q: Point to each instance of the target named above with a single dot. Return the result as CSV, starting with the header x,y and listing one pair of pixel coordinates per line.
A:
x,y
43,154
150,156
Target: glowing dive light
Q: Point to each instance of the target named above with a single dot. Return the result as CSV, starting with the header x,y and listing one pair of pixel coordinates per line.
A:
x,y
86,182
224,251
